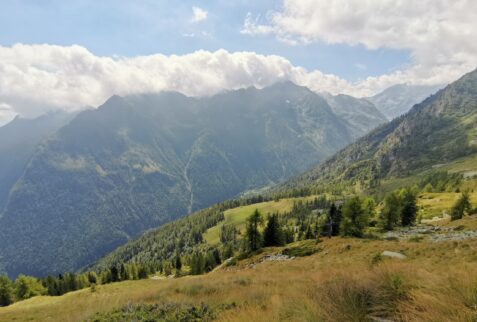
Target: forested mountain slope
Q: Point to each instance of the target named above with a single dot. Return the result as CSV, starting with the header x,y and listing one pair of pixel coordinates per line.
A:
x,y
440,129
18,141
140,161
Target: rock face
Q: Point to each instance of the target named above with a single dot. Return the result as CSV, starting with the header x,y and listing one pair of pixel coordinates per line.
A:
x,y
387,253
361,115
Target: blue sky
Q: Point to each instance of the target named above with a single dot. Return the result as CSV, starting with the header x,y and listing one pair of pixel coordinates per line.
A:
x,y
144,27
59,54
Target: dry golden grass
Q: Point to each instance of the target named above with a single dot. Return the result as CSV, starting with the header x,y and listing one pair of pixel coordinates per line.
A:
x,y
345,281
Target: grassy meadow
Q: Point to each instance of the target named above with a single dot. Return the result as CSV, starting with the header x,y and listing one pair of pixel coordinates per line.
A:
x,y
238,216
345,280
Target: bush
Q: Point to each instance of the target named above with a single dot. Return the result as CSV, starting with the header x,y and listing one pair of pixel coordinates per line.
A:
x,y
157,312
300,251
6,291
28,286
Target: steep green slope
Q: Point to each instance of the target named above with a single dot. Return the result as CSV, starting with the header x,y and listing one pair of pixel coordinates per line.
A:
x,y
18,141
437,131
140,161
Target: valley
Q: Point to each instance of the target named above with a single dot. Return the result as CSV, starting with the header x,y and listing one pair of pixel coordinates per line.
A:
x,y
257,161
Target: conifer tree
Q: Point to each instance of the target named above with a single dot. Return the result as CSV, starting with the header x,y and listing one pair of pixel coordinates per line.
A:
x,y
273,234
390,215
253,236
6,291
355,218
408,207
178,262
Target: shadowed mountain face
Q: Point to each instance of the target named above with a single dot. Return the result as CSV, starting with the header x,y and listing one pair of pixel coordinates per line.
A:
x,y
440,129
399,99
18,141
140,161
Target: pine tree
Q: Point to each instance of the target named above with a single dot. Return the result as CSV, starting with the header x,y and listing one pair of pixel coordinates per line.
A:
x,y
254,238
355,218
114,274
409,207
142,272
273,234
331,219
178,262
390,215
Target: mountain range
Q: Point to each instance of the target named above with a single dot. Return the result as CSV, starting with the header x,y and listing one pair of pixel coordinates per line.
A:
x,y
137,162
439,130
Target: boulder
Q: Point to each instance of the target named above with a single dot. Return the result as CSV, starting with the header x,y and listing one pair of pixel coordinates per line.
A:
x,y
388,253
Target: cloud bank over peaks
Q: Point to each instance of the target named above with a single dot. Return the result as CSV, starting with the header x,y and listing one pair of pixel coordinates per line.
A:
x,y
37,78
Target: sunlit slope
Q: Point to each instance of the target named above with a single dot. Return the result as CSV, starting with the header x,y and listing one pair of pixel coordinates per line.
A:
x,y
238,216
433,283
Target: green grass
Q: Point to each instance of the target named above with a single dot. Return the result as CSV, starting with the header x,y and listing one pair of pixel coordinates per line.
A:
x,y
238,216
436,204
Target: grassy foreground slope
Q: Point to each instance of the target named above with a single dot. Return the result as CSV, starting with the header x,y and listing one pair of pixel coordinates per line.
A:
x,y
345,280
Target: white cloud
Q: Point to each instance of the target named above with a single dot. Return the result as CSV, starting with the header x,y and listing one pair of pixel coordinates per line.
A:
x,y
253,28
439,34
199,14
6,113
37,78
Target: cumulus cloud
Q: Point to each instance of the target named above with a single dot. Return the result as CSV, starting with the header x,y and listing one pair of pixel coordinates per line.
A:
x,y
198,14
43,77
439,34
37,78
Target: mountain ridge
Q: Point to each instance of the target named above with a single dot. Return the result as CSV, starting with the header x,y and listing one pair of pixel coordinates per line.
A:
x,y
440,128
143,160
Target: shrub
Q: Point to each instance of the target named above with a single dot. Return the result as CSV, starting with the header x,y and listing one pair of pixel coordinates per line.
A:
x,y
300,251
28,286
157,312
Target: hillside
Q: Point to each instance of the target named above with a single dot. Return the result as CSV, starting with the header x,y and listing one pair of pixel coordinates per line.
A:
x,y
438,131
140,161
345,280
19,140
202,230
